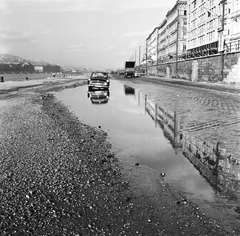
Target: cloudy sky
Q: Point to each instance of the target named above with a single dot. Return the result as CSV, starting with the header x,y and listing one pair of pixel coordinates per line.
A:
x,y
91,33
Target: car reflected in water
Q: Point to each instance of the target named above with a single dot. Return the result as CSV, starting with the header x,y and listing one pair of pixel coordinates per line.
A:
x,y
98,96
129,90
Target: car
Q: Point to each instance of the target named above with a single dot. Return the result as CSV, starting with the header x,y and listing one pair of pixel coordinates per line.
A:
x,y
98,80
121,72
99,96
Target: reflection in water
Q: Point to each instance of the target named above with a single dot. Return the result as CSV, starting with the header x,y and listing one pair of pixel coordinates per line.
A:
x,y
134,138
129,90
220,170
99,96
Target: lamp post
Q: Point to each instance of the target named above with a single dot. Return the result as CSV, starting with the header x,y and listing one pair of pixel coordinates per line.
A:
x,y
177,44
139,59
222,52
157,51
146,57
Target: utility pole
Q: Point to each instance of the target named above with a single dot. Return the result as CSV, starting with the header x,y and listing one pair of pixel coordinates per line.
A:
x,y
139,55
146,57
177,44
157,51
135,56
222,52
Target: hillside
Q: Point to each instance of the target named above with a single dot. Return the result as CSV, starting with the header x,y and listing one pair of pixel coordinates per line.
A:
x,y
12,59
8,58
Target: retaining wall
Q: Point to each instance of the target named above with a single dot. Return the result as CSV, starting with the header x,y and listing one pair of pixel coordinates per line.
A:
x,y
197,69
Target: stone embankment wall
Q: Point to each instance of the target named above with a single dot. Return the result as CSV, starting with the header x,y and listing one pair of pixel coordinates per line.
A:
x,y
198,69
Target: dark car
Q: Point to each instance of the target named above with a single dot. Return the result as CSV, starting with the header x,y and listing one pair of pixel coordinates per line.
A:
x,y
99,96
98,80
121,72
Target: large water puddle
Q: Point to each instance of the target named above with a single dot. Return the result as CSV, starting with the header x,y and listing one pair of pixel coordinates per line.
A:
x,y
137,135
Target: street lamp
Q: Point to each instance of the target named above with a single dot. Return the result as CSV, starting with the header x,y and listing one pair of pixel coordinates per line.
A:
x,y
157,54
222,30
177,44
139,59
146,57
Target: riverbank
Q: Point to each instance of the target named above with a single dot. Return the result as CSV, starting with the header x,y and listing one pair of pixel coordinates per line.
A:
x,y
59,177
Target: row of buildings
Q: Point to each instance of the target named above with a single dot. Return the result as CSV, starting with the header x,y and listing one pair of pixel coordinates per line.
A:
x,y
195,28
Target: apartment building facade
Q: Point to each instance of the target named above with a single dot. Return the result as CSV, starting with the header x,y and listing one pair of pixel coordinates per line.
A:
x,y
194,28
151,46
204,27
213,26
232,25
172,33
205,30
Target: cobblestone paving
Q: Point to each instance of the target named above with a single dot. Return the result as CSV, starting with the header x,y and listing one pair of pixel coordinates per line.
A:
x,y
206,114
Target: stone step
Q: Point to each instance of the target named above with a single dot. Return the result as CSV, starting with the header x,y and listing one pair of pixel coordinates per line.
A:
x,y
234,74
235,69
233,79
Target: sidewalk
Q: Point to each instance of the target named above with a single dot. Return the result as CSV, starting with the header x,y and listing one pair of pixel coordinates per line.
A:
x,y
216,86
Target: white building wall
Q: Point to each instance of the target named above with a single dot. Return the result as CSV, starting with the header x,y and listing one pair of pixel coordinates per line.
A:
x,y
203,22
232,32
152,45
174,22
162,40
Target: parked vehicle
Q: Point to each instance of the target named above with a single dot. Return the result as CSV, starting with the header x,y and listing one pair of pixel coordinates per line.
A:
x,y
139,72
98,80
129,68
121,72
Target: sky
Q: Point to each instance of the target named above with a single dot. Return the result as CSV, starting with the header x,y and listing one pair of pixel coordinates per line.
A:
x,y
88,33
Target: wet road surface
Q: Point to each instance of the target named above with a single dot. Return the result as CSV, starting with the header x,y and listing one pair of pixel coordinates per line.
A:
x,y
141,123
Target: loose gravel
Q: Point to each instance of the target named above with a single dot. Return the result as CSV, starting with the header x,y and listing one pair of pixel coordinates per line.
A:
x,y
58,176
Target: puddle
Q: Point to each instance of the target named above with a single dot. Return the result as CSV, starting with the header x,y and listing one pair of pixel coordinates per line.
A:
x,y
142,131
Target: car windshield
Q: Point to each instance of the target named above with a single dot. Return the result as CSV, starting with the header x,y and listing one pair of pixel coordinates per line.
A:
x,y
99,74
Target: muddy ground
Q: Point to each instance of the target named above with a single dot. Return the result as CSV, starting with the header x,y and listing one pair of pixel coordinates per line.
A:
x,y
58,176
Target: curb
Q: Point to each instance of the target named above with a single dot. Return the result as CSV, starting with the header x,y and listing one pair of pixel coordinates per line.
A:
x,y
216,86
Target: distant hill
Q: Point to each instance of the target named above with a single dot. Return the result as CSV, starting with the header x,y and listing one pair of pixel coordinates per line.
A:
x,y
12,59
8,58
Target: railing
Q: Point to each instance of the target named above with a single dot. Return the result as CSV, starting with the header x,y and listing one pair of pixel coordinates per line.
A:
x,y
232,46
228,48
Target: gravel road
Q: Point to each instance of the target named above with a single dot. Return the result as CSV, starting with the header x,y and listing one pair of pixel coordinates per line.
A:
x,y
59,177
